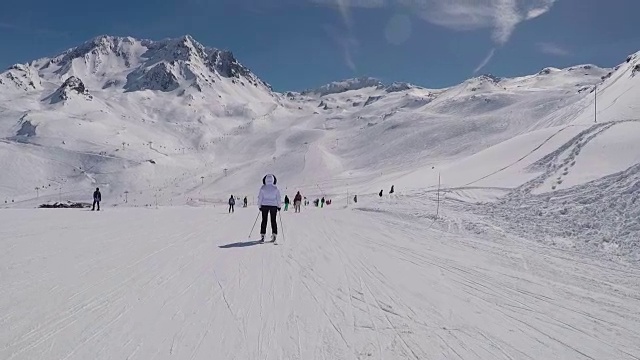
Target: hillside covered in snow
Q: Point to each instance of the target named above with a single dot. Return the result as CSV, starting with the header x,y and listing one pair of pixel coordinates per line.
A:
x,y
172,122
512,233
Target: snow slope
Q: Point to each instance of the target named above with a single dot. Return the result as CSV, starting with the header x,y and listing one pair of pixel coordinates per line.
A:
x,y
186,283
173,122
533,252
196,111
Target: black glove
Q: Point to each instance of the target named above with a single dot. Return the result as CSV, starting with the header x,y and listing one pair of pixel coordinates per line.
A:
x,y
278,209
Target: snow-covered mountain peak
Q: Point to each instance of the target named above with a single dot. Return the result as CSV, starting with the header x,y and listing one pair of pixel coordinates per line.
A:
x,y
21,77
99,47
345,85
398,86
489,78
73,86
133,65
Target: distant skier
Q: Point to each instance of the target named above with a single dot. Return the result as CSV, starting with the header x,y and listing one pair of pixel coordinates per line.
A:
x,y
380,193
306,202
297,200
322,202
355,199
97,197
245,202
316,202
392,190
286,203
232,203
269,204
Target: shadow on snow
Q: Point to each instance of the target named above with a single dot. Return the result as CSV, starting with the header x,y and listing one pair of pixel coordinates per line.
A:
x,y
240,244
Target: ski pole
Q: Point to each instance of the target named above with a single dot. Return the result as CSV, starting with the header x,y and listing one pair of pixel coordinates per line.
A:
x,y
254,225
281,226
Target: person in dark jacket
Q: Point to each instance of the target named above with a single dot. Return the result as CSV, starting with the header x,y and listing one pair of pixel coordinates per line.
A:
x,y
355,199
392,190
245,201
232,203
380,193
297,201
322,202
286,203
97,197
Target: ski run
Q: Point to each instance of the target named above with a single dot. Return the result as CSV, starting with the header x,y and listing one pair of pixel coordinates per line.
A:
x,y
186,283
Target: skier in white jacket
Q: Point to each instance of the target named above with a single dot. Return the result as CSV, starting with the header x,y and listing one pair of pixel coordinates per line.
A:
x,y
269,204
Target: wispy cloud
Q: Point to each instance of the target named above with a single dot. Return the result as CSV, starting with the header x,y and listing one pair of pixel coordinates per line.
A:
x,y
501,16
346,39
486,61
344,7
347,43
552,49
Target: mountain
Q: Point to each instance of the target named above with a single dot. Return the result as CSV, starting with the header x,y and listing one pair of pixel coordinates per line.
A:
x,y
174,121
513,231
345,85
116,102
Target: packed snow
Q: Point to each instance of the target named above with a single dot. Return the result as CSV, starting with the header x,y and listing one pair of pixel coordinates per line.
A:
x,y
188,283
512,234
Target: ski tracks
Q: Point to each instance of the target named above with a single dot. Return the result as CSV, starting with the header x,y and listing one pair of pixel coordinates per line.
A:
x,y
345,285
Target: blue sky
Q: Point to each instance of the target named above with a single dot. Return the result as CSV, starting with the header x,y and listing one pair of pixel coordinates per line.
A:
x,y
299,44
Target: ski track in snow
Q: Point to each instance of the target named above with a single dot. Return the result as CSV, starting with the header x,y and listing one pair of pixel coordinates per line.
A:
x,y
185,283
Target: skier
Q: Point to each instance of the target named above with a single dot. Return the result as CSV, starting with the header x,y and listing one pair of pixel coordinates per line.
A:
x,y
245,202
269,204
316,202
355,199
286,203
97,197
297,200
322,202
392,190
232,203
380,193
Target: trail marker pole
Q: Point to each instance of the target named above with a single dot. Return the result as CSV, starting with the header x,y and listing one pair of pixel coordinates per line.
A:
x,y
595,103
438,203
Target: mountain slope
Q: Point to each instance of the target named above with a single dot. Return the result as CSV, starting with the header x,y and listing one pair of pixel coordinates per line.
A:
x,y
120,102
173,120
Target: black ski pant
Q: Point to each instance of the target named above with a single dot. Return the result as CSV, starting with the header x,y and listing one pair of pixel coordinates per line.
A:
x,y
94,205
231,209
269,211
